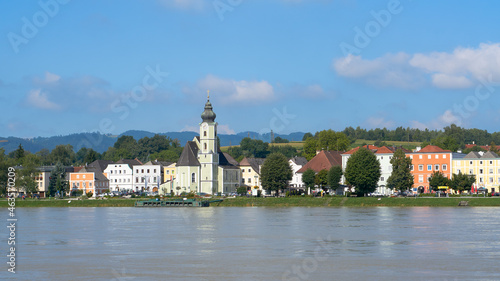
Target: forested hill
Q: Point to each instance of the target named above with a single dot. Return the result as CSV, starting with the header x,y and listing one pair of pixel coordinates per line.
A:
x,y
101,143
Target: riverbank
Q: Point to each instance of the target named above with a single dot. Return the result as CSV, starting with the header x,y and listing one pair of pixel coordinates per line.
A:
x,y
278,202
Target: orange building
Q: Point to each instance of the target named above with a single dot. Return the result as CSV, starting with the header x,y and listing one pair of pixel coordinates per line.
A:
x,y
425,162
88,179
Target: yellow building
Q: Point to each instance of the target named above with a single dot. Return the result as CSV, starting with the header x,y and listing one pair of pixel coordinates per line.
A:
x,y
486,168
168,179
250,172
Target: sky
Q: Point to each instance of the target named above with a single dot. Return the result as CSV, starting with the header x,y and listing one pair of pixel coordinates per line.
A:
x,y
283,65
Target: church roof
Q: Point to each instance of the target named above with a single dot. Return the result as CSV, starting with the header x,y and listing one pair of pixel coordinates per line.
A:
x,y
208,115
189,155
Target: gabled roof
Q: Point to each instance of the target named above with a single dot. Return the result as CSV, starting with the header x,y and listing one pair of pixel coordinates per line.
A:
x,y
490,155
324,160
227,160
98,175
432,149
129,162
100,165
189,155
299,160
368,146
473,155
255,163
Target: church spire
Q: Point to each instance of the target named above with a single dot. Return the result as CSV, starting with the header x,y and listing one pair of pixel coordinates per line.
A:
x,y
208,115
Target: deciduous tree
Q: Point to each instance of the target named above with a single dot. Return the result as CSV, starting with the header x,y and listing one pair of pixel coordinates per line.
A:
x,y
334,176
276,172
363,171
401,177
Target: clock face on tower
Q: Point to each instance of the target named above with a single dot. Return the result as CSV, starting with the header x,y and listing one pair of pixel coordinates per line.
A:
x,y
204,126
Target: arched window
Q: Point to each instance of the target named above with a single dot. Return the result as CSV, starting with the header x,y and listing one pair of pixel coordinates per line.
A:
x,y
193,177
205,144
204,133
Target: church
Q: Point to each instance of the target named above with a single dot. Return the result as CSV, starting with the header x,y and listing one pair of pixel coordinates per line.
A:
x,y
202,167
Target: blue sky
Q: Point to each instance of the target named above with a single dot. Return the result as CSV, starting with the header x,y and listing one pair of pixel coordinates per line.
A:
x,y
287,65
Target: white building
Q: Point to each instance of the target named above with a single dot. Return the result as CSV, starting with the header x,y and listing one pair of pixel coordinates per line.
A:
x,y
120,175
296,163
147,177
384,155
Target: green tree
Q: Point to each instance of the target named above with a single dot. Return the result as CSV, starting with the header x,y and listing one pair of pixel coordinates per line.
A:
x,y
58,182
331,140
276,172
401,177
310,148
363,171
309,178
19,153
438,179
321,179
25,179
306,136
280,140
44,155
461,182
242,190
334,176
63,154
254,148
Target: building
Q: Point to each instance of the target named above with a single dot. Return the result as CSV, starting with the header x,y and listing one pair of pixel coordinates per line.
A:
x,y
323,160
250,172
120,174
147,177
296,163
426,161
89,179
485,166
202,167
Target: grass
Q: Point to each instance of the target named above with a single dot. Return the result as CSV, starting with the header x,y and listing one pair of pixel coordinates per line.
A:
x,y
294,201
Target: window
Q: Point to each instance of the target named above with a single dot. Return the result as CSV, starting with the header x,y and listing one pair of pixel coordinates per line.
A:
x,y
444,156
83,176
78,184
491,180
116,180
429,167
142,171
445,167
111,171
249,180
242,170
437,156
411,156
411,167
204,133
480,162
193,177
491,171
205,145
436,167
420,167
77,176
142,180
154,179
428,156
470,162
420,157
242,180
381,157
120,171
137,179
471,171
481,179
90,184
166,172
249,170
480,171
381,178
421,178
148,171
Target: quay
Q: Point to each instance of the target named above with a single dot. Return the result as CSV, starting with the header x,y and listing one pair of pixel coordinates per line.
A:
x,y
175,203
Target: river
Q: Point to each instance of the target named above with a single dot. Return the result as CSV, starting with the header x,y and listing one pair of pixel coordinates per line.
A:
x,y
258,243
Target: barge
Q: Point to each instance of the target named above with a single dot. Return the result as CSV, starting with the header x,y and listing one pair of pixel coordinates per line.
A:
x,y
175,203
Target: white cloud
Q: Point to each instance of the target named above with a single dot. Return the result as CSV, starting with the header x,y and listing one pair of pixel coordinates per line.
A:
x,y
185,4
446,119
224,129
38,99
392,70
51,77
231,91
379,122
456,70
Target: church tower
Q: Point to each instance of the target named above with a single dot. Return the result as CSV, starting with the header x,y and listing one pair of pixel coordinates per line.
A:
x,y
208,154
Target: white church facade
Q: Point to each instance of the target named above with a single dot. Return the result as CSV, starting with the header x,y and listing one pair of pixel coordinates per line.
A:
x,y
202,167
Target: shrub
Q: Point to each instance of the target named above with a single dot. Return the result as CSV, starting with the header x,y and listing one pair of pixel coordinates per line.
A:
x,y
89,194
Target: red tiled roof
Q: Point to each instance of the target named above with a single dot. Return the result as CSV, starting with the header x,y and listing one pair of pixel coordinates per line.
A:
x,y
432,149
368,146
324,160
391,149
485,147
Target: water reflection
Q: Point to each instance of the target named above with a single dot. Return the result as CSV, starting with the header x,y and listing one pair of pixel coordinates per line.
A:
x,y
257,243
